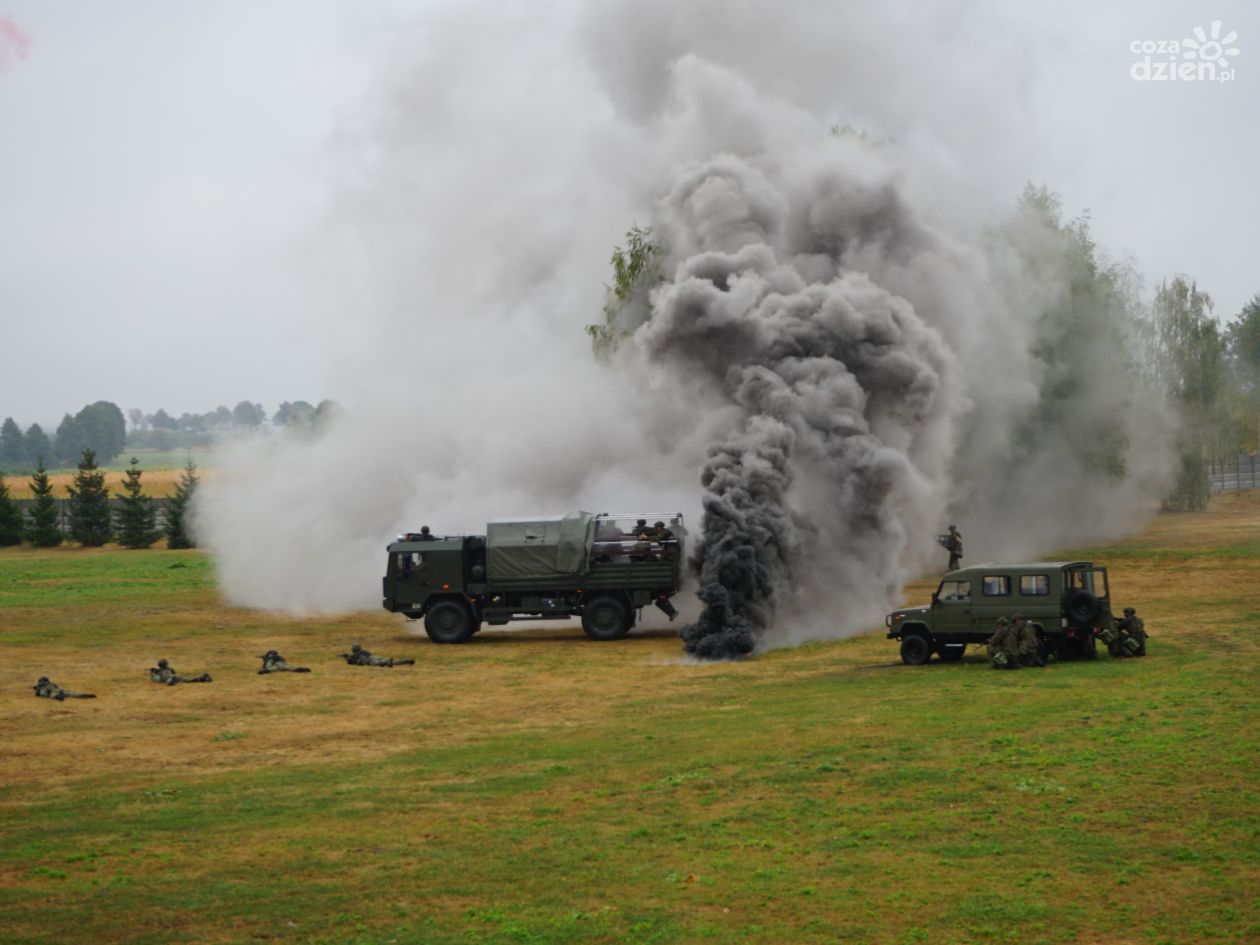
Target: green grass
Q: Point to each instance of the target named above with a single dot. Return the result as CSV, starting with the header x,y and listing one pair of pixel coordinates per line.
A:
x,y
538,788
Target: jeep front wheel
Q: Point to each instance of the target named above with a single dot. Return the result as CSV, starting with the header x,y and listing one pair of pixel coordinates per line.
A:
x,y
915,650
448,621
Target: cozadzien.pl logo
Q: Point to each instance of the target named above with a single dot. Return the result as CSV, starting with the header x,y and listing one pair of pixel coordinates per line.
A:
x,y
1207,56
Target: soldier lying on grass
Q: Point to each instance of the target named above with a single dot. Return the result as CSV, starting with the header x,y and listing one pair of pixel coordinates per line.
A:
x,y
273,662
48,689
361,657
163,672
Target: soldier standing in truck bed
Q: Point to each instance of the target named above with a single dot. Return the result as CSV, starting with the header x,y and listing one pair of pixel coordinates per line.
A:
x,y
47,689
273,662
361,657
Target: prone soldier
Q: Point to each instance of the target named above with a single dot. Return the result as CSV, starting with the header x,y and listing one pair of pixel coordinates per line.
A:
x,y
47,689
361,657
163,672
273,662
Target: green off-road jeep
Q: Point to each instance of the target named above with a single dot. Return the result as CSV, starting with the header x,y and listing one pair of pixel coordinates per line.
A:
x,y
1065,601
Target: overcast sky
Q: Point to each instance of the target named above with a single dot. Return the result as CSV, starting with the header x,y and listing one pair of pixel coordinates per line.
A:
x,y
170,173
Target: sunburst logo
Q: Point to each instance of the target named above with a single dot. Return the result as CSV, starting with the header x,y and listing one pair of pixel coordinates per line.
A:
x,y
1215,49
1207,56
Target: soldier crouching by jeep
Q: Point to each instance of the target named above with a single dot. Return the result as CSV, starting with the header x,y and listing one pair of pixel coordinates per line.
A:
x,y
361,657
1003,646
1127,637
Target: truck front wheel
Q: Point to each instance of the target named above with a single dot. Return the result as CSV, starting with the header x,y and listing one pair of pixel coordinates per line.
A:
x,y
448,621
915,650
606,618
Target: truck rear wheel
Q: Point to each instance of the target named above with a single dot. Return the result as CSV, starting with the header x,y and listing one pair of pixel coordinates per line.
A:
x,y
915,650
448,621
606,618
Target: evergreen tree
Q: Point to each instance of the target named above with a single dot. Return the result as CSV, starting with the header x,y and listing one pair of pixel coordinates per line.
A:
x,y
12,446
136,518
37,444
10,517
90,522
177,532
42,528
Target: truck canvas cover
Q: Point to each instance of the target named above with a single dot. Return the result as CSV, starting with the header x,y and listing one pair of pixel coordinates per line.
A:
x,y
539,548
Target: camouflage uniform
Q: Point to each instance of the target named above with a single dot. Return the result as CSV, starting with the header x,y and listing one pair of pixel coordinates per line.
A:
x,y
273,662
163,672
1029,647
953,544
47,689
1131,634
361,657
1003,647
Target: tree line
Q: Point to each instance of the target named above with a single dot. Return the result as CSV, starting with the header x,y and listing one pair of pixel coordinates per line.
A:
x,y
92,522
102,428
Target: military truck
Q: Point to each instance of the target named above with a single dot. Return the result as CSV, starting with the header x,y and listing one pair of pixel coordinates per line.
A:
x,y
602,568
1066,602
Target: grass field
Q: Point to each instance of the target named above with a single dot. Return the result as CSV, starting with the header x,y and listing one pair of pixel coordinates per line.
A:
x,y
535,787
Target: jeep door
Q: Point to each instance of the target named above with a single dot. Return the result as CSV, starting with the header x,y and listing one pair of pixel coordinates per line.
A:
x,y
992,601
951,611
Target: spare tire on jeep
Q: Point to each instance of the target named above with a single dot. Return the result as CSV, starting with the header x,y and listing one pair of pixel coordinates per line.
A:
x,y
1083,608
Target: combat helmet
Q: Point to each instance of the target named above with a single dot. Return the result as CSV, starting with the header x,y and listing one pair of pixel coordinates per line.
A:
x,y
1129,611
162,664
355,648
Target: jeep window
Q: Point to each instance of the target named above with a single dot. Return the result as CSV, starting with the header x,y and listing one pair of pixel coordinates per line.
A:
x,y
954,590
997,585
1034,585
1093,581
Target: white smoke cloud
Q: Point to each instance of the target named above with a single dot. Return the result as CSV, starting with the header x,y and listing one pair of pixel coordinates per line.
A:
x,y
505,158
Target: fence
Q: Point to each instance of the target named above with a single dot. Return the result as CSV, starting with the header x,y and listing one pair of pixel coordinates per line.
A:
x,y
63,511
1234,475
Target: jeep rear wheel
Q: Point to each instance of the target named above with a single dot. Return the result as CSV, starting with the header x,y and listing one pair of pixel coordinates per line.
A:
x,y
915,650
952,652
448,621
606,618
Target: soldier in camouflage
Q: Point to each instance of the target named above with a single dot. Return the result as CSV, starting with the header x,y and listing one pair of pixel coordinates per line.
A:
x,y
1031,650
163,672
273,662
47,689
1131,634
361,657
1003,647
